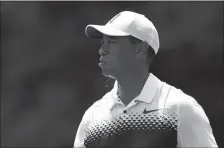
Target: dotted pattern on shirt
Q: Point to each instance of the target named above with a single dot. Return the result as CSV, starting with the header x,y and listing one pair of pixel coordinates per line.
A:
x,y
134,129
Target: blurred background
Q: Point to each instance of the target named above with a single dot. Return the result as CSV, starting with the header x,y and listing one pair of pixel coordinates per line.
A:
x,y
49,72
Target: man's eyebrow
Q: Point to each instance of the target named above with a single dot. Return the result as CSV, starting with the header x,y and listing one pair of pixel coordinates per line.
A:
x,y
112,37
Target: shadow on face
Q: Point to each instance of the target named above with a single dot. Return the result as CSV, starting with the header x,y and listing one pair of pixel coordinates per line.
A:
x,y
118,55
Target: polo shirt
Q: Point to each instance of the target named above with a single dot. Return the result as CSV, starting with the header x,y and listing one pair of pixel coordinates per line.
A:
x,y
160,116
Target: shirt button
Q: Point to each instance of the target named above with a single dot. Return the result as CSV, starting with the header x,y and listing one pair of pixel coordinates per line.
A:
x,y
135,100
124,111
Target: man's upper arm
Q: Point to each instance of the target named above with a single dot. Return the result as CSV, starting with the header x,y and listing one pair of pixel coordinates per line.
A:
x,y
87,119
81,132
194,129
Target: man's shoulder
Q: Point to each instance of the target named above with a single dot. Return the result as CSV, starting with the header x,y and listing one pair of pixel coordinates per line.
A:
x,y
179,98
184,101
100,103
177,93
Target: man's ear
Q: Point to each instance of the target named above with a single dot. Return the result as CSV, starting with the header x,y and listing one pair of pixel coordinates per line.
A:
x,y
142,49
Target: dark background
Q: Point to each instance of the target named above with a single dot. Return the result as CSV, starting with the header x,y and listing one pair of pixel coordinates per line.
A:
x,y
49,72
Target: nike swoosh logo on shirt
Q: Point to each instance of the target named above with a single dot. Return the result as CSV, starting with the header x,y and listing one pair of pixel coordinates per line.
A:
x,y
146,112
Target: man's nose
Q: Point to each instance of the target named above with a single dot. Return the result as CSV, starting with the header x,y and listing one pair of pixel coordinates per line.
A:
x,y
102,52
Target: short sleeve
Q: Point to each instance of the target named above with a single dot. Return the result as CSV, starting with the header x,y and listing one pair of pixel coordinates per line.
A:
x,y
194,129
89,118
81,132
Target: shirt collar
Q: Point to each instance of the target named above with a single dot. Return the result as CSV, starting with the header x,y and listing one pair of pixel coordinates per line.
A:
x,y
148,91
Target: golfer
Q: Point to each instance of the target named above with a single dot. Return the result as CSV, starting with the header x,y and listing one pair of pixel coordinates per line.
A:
x,y
140,110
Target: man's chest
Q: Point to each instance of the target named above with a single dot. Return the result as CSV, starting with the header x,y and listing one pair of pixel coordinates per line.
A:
x,y
139,125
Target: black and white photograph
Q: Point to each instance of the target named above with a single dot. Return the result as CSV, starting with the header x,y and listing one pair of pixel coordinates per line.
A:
x,y
84,74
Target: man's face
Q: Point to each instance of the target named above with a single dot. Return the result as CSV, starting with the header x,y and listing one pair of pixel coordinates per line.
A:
x,y
118,55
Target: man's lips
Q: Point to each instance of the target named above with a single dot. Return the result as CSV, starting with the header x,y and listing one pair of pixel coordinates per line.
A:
x,y
102,62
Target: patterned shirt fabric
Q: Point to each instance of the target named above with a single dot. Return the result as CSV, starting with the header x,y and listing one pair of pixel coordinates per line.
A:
x,y
161,116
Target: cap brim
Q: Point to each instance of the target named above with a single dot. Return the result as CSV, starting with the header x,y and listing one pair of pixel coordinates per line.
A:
x,y
96,31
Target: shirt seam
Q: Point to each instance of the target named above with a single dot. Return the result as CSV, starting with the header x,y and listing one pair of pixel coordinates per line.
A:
x,y
178,127
166,98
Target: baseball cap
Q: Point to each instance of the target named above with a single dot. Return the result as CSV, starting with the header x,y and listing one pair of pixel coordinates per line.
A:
x,y
127,23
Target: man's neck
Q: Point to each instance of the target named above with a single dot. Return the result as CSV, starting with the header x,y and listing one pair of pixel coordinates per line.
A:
x,y
130,86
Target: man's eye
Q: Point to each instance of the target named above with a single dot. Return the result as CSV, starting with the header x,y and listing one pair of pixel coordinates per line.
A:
x,y
111,42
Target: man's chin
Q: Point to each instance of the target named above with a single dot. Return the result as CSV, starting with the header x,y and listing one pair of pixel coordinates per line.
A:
x,y
107,73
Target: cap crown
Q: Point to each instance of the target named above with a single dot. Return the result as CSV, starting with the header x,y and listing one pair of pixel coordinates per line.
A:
x,y
136,25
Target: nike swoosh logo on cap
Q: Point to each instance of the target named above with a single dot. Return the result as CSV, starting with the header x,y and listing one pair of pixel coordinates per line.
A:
x,y
146,112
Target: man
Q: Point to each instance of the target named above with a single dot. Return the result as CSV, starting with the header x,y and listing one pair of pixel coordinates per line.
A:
x,y
141,110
